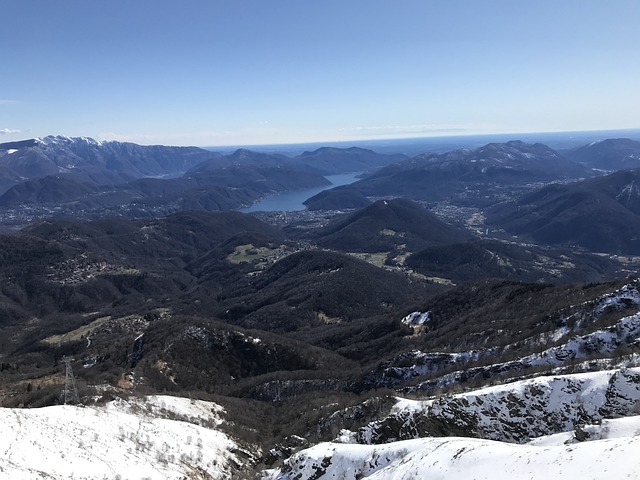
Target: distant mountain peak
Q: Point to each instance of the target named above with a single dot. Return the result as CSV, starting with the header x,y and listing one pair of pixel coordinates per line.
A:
x,y
243,152
336,150
245,155
520,146
609,154
64,140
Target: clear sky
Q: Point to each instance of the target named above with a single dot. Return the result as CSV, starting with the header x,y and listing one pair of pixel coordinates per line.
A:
x,y
241,72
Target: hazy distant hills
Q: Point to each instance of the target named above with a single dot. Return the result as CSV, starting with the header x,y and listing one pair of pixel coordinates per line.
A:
x,y
600,214
241,157
88,161
331,160
610,154
85,159
484,175
64,195
225,189
67,176
324,160
262,178
54,155
385,225
471,176
82,177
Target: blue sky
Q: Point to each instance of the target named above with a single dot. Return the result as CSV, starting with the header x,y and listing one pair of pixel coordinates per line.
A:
x,y
242,72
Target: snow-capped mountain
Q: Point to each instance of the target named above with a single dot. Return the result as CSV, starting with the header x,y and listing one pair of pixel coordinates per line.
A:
x,y
101,162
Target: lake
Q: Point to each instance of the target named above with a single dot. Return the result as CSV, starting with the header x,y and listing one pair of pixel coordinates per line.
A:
x,y
292,201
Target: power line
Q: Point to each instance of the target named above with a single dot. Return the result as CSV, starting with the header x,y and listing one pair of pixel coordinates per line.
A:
x,y
70,387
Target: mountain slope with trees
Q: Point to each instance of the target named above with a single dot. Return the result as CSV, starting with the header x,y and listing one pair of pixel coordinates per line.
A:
x,y
600,214
387,224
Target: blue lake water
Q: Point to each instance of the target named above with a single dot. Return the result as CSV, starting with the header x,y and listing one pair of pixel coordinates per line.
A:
x,y
292,201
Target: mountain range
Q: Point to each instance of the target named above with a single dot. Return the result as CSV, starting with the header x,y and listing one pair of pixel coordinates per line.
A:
x,y
449,315
471,176
107,163
84,178
101,162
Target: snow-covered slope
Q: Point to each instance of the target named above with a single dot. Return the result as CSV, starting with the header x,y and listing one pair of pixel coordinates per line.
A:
x,y
612,455
571,416
157,437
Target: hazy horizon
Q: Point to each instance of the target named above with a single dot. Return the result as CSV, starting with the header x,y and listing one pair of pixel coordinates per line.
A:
x,y
415,145
559,140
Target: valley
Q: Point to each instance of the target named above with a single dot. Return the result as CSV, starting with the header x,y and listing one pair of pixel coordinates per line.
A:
x,y
482,303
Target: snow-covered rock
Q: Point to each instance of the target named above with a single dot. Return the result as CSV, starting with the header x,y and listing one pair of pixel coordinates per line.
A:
x,y
463,458
514,412
417,318
598,448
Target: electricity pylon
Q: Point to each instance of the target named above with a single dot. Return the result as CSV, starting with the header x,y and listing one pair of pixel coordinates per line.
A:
x,y
70,387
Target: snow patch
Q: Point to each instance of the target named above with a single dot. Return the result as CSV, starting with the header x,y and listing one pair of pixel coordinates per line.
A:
x,y
462,458
417,318
155,437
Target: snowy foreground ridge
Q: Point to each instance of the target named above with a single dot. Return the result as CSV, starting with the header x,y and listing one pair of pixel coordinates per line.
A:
x,y
580,426
456,458
154,438
548,427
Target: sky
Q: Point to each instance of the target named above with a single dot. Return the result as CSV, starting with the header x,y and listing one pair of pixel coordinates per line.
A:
x,y
247,72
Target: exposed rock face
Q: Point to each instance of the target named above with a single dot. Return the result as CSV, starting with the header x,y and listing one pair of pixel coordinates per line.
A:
x,y
516,412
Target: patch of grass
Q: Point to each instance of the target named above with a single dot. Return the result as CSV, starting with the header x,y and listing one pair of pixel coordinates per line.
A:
x,y
441,281
76,334
250,254
377,259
